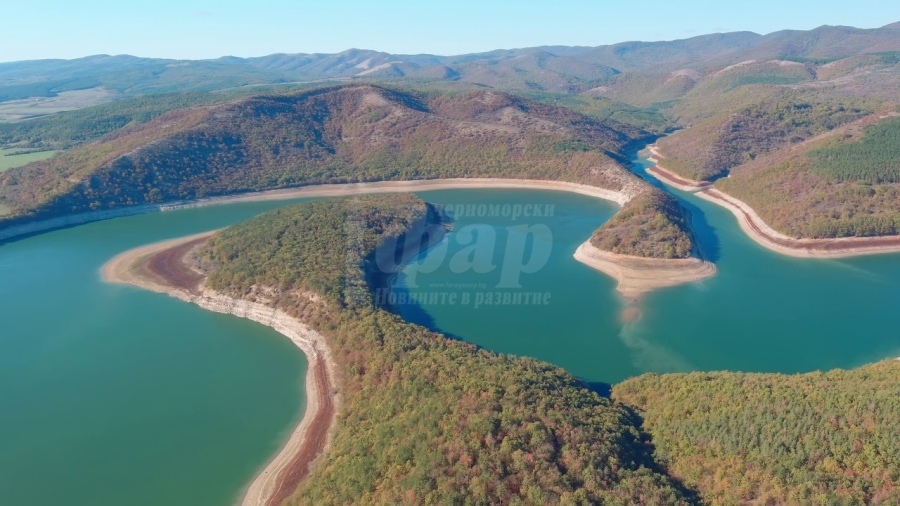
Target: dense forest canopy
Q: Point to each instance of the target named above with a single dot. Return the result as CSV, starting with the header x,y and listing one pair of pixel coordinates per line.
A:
x,y
426,419
873,159
652,225
817,438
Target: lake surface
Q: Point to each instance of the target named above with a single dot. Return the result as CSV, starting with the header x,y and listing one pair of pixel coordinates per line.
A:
x,y
762,312
112,395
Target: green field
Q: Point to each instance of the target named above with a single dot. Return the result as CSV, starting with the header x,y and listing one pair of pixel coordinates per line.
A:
x,y
9,159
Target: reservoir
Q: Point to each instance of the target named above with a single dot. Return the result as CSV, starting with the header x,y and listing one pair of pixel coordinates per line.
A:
x,y
762,312
112,395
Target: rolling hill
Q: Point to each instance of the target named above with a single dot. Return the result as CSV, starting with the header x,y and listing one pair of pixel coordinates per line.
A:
x,y
354,133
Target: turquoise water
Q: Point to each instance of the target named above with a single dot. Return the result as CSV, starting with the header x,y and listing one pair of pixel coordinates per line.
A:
x,y
761,312
768,312
112,395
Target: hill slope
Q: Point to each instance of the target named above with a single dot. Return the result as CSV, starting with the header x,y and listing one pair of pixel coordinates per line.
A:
x,y
817,438
843,183
347,134
330,135
710,149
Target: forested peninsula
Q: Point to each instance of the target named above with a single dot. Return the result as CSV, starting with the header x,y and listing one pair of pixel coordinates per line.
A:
x,y
424,418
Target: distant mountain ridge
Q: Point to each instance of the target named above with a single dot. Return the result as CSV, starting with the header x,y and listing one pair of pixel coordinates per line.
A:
x,y
560,69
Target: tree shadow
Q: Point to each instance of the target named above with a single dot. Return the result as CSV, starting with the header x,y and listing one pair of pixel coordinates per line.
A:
x,y
649,459
413,312
598,387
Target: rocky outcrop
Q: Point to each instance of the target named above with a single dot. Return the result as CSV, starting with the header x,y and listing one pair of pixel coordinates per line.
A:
x,y
311,342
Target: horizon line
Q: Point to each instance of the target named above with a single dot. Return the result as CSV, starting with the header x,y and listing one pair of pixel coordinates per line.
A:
x,y
107,55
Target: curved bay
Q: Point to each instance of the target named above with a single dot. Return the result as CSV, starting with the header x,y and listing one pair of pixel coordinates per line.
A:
x,y
113,395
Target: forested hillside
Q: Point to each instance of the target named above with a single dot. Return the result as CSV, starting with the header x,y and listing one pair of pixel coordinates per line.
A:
x,y
425,419
818,438
348,134
710,149
873,159
328,135
65,130
841,184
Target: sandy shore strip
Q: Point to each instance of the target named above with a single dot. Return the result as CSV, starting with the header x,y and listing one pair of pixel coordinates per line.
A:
x,y
763,234
132,266
160,267
321,190
654,153
339,190
637,276
670,178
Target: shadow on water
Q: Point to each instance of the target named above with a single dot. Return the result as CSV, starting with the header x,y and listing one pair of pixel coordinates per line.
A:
x,y
705,235
27,235
598,387
411,311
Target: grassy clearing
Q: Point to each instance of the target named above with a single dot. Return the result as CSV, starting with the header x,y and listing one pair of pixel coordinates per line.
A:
x,y
34,107
9,159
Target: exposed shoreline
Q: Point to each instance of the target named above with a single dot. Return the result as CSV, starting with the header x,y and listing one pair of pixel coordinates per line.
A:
x,y
335,190
153,268
318,190
670,178
757,229
159,267
638,275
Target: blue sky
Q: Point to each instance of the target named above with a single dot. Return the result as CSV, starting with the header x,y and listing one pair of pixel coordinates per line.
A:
x,y
208,29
